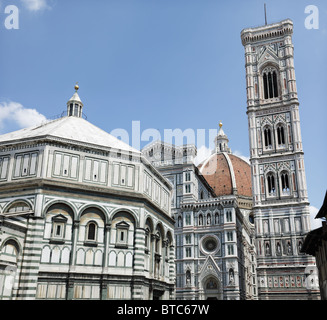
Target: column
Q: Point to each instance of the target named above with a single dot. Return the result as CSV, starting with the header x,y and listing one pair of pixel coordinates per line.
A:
x,y
152,252
107,228
30,262
172,271
74,241
139,252
104,277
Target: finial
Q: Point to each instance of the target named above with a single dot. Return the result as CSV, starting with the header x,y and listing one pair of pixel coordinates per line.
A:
x,y
266,14
76,86
220,124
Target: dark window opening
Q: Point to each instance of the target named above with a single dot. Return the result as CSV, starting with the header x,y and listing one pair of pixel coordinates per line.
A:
x,y
281,135
270,85
265,84
71,109
267,136
58,231
285,182
91,231
275,84
271,184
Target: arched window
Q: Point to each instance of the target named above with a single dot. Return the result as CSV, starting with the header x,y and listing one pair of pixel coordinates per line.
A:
x,y
147,240
200,220
9,255
179,222
188,277
158,243
216,218
18,207
208,219
271,184
285,182
91,231
280,135
270,83
187,219
267,137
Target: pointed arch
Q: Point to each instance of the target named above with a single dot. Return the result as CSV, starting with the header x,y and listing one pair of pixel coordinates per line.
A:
x,y
281,132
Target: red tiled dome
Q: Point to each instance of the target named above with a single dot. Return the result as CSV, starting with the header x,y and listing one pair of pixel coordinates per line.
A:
x,y
226,174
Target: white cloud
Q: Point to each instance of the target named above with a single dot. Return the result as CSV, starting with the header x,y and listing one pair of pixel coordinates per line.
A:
x,y
240,155
315,223
20,116
35,5
202,154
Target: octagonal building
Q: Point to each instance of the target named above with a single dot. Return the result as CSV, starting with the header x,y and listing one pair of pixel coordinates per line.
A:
x,y
82,215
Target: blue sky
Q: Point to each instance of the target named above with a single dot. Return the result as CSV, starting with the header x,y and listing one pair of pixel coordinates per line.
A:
x,y
166,63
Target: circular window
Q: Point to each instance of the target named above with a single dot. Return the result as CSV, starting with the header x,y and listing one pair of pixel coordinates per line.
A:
x,y
210,244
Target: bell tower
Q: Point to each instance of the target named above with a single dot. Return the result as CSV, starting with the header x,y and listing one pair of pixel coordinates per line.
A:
x,y
280,200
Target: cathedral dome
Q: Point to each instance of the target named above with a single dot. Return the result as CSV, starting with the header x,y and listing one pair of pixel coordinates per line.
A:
x,y
226,173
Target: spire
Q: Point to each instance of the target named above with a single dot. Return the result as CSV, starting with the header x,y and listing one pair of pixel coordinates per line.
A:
x,y
75,105
221,141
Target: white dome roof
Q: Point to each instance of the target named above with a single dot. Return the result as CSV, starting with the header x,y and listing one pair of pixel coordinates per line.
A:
x,y
73,130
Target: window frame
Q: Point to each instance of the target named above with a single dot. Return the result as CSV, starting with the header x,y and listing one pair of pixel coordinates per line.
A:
x,y
88,231
285,183
58,221
270,80
229,216
271,184
268,143
122,227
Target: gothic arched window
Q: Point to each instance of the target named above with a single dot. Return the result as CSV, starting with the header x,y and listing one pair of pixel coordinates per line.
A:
x,y
267,137
209,219
188,277
270,83
200,220
216,218
271,184
280,135
285,182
